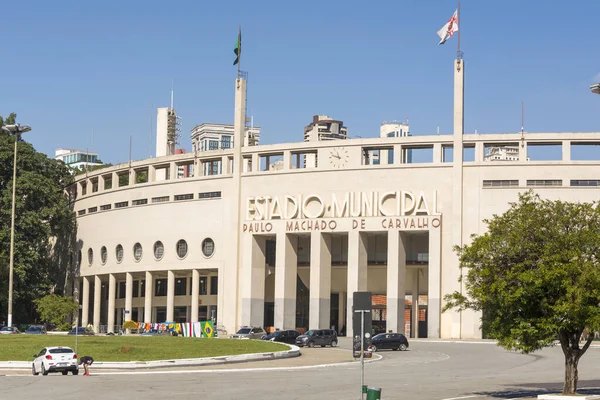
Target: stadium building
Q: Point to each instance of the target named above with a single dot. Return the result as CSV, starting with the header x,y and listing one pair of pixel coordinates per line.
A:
x,y
286,246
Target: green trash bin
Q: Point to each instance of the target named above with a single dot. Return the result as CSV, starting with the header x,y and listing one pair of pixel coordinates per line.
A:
x,y
373,393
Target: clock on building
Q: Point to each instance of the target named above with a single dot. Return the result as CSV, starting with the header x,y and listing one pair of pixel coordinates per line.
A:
x,y
338,157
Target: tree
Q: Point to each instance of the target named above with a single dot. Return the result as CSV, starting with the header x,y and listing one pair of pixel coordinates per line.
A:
x,y
536,276
57,311
44,225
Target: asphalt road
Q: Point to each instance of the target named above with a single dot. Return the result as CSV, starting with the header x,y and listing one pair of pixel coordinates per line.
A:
x,y
428,371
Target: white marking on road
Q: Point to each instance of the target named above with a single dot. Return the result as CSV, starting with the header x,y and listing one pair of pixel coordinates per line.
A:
x,y
462,397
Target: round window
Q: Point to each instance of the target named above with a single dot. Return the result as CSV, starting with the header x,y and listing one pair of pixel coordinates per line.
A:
x,y
137,252
182,248
103,255
119,253
208,247
90,256
159,250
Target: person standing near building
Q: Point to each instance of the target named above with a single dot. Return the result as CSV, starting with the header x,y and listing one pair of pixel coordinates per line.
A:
x,y
86,361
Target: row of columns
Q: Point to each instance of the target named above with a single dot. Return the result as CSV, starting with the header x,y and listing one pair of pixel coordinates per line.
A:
x,y
149,286
320,280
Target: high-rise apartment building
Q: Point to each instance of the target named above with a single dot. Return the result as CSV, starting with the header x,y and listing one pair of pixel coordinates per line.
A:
x,y
324,128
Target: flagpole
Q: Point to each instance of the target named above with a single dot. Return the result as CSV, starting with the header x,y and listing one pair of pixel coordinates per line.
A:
x,y
458,56
239,50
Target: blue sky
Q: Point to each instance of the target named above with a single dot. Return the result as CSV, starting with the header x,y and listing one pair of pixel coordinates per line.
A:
x,y
71,68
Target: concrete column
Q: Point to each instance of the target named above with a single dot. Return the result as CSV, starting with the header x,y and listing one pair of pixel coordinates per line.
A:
x,y
255,163
415,304
100,183
172,171
195,294
479,152
437,153
434,285
396,276
132,176
170,295
85,301
566,150
97,302
397,154
225,170
342,310
320,281
253,279
112,288
357,272
523,151
149,290
151,173
286,276
128,295
287,159
115,180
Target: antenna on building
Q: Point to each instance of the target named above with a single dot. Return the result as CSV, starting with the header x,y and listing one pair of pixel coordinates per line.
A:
x,y
522,124
172,81
151,127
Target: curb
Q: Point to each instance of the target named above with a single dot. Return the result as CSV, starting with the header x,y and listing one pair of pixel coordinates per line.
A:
x,y
294,351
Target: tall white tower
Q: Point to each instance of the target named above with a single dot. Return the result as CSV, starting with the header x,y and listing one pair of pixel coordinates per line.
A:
x,y
167,131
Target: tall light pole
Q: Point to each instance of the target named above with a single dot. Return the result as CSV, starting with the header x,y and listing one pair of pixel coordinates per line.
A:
x,y
16,130
76,298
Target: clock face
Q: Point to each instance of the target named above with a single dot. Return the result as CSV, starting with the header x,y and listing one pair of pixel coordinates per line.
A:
x,y
338,157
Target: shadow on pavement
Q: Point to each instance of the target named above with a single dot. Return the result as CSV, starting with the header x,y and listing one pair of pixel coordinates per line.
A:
x,y
532,390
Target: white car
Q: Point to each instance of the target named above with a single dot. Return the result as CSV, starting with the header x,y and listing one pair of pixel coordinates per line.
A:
x,y
55,359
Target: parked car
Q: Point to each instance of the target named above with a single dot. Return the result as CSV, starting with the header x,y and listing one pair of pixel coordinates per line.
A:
x,y
35,330
55,359
318,337
283,336
246,332
9,330
81,331
393,341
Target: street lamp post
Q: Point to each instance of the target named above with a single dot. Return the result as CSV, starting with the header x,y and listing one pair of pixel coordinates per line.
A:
x,y
76,297
17,130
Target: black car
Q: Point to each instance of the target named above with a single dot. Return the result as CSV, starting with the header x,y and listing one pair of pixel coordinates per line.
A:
x,y
318,337
283,336
394,341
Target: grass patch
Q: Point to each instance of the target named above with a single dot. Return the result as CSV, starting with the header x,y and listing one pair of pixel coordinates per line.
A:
x,y
132,348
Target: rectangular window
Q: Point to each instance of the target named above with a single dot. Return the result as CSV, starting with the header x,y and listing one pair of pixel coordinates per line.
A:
x,y
226,142
92,209
136,288
180,286
160,287
270,252
81,212
105,207
544,182
209,195
143,288
213,145
203,285
214,285
160,199
500,183
121,290
202,313
592,182
139,202
121,204
180,197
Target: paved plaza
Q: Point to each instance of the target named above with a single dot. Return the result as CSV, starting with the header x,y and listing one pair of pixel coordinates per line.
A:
x,y
430,370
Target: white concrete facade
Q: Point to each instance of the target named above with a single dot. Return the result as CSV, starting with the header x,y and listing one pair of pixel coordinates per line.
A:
x,y
292,244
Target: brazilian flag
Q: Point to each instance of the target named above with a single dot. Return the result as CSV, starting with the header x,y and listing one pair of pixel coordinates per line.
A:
x,y
208,329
